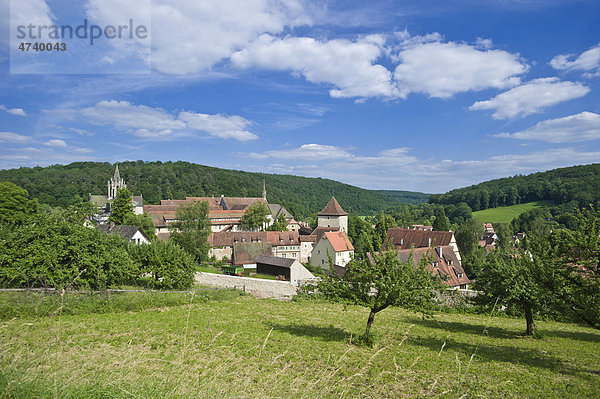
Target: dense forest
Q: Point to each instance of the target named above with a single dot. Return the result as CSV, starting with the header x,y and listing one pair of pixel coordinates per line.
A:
x,y
406,197
580,184
64,185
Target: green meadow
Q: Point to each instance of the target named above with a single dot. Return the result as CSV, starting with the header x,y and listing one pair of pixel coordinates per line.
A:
x,y
505,214
227,344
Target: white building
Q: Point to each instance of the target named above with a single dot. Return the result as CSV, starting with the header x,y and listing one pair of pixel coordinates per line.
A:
x,y
334,248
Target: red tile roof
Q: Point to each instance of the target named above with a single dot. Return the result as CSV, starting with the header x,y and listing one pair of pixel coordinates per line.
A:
x,y
447,266
275,238
339,241
332,208
405,238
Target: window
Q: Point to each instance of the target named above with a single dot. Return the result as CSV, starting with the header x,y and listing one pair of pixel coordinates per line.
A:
x,y
322,261
319,251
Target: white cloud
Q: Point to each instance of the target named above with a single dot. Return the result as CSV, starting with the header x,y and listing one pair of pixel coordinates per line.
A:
x,y
123,114
444,69
13,111
226,127
531,98
347,65
9,137
306,152
584,126
192,36
587,61
157,123
56,143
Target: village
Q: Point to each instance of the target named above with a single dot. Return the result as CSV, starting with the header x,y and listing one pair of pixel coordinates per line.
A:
x,y
287,254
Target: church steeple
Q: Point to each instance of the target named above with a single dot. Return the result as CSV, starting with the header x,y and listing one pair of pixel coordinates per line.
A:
x,y
115,183
264,193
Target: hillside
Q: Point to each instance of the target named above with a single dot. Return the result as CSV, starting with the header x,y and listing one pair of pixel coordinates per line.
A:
x,y
224,345
407,197
505,214
576,183
62,185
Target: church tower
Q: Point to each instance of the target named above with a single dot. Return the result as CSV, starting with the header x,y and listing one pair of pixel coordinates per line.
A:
x,y
115,183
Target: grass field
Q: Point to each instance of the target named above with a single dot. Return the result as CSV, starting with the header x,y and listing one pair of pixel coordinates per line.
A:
x,y
505,214
228,344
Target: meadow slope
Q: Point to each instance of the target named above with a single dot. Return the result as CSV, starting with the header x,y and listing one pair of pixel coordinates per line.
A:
x,y
239,346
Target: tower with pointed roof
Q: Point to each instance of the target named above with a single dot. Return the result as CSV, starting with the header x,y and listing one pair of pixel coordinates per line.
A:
x,y
333,216
115,183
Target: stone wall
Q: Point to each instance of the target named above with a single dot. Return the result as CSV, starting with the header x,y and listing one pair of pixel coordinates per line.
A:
x,y
260,288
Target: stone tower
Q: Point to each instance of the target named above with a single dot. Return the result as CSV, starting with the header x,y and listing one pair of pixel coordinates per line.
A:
x,y
333,216
115,183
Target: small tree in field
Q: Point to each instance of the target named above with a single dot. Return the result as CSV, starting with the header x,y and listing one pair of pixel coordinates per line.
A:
x,y
387,281
255,216
517,279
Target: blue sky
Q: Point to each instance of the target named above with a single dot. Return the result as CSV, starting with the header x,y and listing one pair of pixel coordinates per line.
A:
x,y
408,95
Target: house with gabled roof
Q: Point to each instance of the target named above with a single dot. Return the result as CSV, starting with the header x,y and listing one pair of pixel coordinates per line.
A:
x,y
399,239
284,244
441,261
333,248
132,234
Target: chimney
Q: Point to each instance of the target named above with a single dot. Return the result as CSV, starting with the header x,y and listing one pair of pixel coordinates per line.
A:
x,y
439,250
429,242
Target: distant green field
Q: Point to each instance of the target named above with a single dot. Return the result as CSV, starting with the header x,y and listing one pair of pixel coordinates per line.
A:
x,y
505,214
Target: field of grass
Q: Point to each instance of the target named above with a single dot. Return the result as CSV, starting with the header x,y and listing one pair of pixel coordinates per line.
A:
x,y
505,214
232,345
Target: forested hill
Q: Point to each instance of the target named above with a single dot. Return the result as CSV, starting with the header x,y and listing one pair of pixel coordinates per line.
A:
x,y
576,183
62,185
407,197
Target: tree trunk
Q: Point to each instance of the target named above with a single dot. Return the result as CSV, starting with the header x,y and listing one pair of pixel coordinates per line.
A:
x,y
370,322
529,318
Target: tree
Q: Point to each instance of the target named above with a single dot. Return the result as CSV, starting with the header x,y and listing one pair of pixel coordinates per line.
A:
x,y
504,233
575,257
192,229
255,216
170,266
468,235
514,279
387,281
384,223
53,252
15,205
121,206
441,222
143,221
280,224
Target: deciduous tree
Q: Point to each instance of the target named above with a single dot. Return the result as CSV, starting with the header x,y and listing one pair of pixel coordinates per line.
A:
x,y
192,229
255,216
15,205
385,281
121,206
